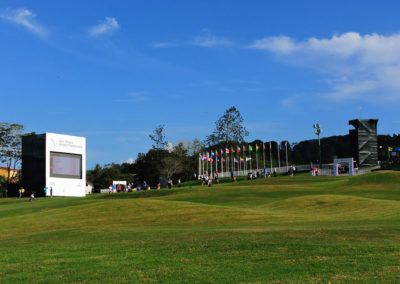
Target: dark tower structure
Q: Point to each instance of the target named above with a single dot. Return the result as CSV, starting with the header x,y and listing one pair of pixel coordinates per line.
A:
x,y
364,141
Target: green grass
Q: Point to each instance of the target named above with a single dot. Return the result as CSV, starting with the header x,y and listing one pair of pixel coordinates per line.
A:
x,y
285,229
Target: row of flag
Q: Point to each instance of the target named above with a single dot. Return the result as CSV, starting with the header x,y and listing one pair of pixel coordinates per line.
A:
x,y
209,156
210,159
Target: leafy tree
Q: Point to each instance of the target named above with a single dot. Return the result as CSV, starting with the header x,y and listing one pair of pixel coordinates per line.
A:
x,y
102,177
10,148
159,138
228,127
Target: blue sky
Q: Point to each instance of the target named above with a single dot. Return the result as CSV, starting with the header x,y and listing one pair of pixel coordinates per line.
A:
x,y
114,70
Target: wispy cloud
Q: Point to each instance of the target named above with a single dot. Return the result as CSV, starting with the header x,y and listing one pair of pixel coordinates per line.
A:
x,y
210,41
136,97
205,40
163,44
359,67
25,18
108,26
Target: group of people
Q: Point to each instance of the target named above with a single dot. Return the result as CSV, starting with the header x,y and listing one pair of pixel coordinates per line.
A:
x,y
117,188
21,193
208,179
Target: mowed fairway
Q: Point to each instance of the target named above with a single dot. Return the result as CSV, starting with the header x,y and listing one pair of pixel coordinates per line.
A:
x,y
285,229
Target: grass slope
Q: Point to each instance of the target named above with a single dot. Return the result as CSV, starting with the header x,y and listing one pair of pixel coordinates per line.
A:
x,y
285,229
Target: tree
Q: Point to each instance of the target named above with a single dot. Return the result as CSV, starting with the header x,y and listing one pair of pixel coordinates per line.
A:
x,y
10,148
171,165
228,127
159,138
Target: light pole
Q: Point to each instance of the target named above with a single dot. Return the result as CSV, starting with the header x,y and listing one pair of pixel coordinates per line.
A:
x,y
317,132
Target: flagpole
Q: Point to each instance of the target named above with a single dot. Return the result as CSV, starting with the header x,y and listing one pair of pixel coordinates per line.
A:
x,y
202,165
256,157
233,157
287,166
244,159
211,172
264,156
226,161
208,166
222,165
279,158
251,161
199,166
270,156
216,162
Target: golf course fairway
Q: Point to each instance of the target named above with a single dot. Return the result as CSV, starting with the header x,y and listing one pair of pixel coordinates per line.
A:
x,y
283,229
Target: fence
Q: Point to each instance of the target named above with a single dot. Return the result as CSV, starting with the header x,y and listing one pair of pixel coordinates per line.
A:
x,y
325,170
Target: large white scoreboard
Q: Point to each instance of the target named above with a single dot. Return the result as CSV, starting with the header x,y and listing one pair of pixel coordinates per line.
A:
x,y
56,161
65,164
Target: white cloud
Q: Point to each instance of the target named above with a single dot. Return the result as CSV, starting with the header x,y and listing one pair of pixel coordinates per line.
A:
x,y
210,41
362,67
163,44
170,147
25,18
130,161
281,44
136,97
108,26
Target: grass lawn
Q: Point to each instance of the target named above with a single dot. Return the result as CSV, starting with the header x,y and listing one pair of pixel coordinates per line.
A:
x,y
284,229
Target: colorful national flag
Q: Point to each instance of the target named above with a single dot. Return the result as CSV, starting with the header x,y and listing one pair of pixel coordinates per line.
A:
x,y
263,146
238,149
257,147
212,153
227,150
233,151
248,159
241,159
250,148
222,151
236,161
223,160
216,153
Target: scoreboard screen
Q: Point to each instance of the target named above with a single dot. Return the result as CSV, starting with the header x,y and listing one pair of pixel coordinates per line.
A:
x,y
64,165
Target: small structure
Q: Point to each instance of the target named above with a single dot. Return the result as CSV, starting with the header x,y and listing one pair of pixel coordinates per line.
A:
x,y
364,140
119,182
338,162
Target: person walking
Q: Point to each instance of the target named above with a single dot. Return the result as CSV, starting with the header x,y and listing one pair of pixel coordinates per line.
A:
x,y
32,197
51,192
20,193
45,191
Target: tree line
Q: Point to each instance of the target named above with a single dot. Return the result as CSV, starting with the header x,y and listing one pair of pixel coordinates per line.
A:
x,y
165,161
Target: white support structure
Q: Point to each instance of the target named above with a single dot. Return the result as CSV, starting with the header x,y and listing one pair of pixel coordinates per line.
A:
x,y
338,162
65,164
